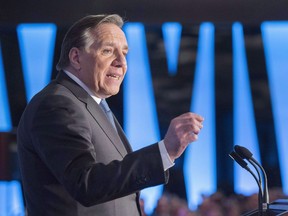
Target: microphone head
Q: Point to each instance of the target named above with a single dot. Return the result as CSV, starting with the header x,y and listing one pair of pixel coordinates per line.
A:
x,y
243,152
238,159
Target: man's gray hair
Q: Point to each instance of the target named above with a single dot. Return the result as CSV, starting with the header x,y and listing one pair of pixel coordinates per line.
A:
x,y
79,34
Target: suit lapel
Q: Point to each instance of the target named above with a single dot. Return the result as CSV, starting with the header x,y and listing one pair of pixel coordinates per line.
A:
x,y
95,111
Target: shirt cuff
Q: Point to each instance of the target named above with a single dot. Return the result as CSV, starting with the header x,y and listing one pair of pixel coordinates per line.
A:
x,y
166,160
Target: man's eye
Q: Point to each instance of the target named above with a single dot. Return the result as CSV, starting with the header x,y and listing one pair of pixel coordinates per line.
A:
x,y
107,51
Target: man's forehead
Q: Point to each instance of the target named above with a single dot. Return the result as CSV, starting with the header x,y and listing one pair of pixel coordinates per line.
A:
x,y
110,35
109,31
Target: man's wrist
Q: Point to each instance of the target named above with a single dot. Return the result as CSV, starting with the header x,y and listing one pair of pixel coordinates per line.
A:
x,y
166,160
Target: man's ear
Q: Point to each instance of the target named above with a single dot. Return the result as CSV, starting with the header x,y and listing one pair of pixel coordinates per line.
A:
x,y
74,58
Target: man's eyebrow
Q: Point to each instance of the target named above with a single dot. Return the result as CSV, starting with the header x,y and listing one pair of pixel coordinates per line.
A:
x,y
107,43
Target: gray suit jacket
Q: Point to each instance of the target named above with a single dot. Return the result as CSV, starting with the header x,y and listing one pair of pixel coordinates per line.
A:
x,y
74,163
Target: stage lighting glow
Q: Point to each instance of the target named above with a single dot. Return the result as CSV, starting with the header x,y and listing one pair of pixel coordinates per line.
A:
x,y
200,157
275,40
172,37
36,43
11,199
140,117
244,120
5,121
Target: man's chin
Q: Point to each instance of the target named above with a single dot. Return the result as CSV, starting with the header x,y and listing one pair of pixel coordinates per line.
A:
x,y
111,93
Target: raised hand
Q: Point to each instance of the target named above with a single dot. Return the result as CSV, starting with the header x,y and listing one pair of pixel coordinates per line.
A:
x,y
182,130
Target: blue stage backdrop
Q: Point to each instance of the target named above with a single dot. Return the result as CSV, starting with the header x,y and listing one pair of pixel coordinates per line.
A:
x,y
235,76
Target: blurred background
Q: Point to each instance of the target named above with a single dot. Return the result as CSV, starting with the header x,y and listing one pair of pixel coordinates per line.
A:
x,y
226,60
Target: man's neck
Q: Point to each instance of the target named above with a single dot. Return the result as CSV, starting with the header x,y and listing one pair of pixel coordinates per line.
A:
x,y
85,87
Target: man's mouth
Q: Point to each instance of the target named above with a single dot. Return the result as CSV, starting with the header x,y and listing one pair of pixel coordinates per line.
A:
x,y
114,76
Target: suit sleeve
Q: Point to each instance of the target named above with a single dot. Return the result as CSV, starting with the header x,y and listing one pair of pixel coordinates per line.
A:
x,y
61,135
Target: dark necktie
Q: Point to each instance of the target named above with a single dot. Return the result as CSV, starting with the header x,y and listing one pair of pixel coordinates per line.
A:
x,y
108,112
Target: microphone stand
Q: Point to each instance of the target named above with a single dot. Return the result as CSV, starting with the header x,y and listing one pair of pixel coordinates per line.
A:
x,y
238,159
265,191
246,154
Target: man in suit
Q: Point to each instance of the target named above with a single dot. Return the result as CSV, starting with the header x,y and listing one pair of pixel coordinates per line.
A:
x,y
74,161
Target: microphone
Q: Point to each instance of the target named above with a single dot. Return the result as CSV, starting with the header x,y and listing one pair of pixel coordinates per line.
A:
x,y
238,159
246,154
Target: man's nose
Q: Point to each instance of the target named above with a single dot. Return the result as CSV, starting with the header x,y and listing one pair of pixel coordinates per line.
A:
x,y
120,60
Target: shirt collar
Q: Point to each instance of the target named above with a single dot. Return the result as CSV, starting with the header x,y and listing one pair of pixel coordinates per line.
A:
x,y
79,82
